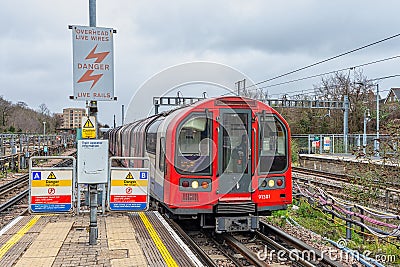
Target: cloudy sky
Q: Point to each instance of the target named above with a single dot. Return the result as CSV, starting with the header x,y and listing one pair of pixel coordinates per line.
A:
x,y
262,39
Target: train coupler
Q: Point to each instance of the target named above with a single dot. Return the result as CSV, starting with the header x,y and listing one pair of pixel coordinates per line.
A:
x,y
236,224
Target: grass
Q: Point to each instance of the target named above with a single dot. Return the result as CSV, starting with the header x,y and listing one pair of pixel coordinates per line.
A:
x,y
311,217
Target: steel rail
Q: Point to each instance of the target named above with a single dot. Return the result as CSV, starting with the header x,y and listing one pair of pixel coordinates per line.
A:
x,y
267,228
14,200
11,184
192,244
246,252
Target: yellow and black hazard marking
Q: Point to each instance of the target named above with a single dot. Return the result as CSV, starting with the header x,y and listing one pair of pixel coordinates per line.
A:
x,y
51,176
88,124
129,176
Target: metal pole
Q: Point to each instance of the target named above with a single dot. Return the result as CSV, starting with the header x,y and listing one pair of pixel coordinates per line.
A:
x,y
93,112
366,119
348,225
321,143
376,148
123,114
93,215
92,13
345,121
365,134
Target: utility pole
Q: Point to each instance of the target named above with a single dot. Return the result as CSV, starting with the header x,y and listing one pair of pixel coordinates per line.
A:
x,y
346,122
123,114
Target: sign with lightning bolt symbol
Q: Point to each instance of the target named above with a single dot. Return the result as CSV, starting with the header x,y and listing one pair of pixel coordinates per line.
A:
x,y
93,63
87,76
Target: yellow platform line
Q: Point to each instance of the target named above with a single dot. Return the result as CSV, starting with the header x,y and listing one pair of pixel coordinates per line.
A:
x,y
15,238
157,240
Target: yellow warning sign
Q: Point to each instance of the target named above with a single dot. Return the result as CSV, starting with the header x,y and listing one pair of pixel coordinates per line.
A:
x,y
129,176
89,127
51,176
88,124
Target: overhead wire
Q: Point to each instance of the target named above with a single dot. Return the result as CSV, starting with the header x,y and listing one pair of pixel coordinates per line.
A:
x,y
322,87
326,60
330,72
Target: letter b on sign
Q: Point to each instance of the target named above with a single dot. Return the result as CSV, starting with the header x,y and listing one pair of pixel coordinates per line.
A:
x,y
143,175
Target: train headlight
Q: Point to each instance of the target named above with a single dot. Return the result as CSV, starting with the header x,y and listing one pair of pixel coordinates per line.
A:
x,y
195,184
185,184
204,185
264,183
271,183
279,182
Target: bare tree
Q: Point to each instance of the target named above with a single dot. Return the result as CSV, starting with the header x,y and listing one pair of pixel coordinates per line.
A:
x,y
44,110
5,107
358,90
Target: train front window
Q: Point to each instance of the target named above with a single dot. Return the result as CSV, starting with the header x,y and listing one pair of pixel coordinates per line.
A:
x,y
235,143
194,146
273,148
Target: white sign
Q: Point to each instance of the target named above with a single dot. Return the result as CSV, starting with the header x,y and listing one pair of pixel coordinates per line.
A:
x,y
129,190
50,191
327,143
93,60
92,161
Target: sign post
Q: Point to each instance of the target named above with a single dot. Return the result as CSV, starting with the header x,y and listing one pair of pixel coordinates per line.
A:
x,y
93,80
92,170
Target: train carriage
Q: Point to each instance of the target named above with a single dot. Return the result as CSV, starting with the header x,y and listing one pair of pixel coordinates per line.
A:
x,y
223,161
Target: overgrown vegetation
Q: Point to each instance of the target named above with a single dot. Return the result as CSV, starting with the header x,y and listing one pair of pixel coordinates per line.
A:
x,y
311,217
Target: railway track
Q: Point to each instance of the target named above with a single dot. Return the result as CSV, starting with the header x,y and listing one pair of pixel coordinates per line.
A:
x,y
336,184
267,247
340,177
18,188
14,195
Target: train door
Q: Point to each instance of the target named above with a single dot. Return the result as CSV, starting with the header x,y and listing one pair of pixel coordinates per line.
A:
x,y
234,159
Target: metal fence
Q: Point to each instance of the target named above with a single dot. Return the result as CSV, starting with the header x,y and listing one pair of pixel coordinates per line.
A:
x,y
333,143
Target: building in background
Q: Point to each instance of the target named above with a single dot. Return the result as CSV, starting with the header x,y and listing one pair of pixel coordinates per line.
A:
x,y
72,118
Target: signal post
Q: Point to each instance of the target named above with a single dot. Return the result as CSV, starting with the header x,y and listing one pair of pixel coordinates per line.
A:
x,y
93,80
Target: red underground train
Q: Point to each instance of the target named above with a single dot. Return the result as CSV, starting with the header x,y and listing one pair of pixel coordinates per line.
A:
x,y
223,161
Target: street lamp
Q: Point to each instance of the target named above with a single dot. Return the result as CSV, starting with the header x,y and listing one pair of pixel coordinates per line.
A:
x,y
367,117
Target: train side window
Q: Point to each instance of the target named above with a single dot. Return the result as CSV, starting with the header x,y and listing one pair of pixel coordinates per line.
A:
x,y
161,161
151,136
194,145
273,156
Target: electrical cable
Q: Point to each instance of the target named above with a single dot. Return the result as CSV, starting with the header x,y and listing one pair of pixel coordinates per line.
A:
x,y
328,59
374,231
330,72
